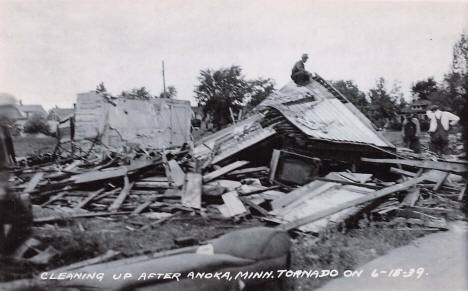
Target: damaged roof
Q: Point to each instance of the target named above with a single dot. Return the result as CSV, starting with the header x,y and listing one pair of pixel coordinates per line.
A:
x,y
321,112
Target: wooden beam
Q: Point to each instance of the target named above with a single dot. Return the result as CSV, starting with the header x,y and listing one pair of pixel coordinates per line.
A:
x,y
33,182
177,175
89,198
402,172
53,198
224,170
192,192
441,181
411,198
248,171
122,196
326,212
252,205
83,215
453,167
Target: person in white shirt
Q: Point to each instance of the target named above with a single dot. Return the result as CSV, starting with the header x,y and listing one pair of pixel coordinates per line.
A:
x,y
439,128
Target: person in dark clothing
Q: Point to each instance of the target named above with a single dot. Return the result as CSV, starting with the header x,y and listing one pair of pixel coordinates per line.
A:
x,y
299,74
13,210
411,132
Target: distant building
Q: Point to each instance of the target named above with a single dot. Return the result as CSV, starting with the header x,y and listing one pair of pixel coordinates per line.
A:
x,y
60,114
10,111
30,110
417,107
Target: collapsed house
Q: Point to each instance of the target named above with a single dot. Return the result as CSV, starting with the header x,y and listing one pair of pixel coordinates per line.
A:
x,y
315,120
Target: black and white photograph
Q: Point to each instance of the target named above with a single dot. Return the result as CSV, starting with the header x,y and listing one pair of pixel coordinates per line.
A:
x,y
255,145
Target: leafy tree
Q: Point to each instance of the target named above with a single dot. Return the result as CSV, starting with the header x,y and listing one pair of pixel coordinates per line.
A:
x,y
351,91
259,90
383,107
171,93
37,124
424,88
220,90
137,94
460,56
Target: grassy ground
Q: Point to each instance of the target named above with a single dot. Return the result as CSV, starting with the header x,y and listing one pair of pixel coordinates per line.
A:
x,y
26,145
345,250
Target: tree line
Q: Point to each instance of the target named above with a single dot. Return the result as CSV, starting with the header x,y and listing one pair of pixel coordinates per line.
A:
x,y
226,91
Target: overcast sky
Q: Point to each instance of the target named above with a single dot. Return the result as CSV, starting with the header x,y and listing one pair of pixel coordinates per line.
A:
x,y
51,50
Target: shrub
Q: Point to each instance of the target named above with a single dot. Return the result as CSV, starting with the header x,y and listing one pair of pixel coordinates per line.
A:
x,y
37,124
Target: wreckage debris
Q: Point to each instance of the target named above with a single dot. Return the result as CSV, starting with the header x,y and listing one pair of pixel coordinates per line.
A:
x,y
218,178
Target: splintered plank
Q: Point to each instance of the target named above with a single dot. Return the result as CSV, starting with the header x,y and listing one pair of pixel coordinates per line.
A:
x,y
252,205
224,170
232,205
72,216
94,176
411,198
33,182
177,174
454,167
122,196
191,194
142,207
89,199
53,198
441,181
370,197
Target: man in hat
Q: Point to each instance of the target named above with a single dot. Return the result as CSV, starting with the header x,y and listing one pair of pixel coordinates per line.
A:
x,y
299,74
411,131
439,128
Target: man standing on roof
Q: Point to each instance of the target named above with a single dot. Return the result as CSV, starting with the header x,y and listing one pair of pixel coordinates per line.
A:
x,y
439,128
299,74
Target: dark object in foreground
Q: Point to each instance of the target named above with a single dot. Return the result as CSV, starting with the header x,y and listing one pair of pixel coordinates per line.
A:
x,y
258,249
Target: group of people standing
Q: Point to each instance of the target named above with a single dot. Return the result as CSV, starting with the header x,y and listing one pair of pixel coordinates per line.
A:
x,y
439,126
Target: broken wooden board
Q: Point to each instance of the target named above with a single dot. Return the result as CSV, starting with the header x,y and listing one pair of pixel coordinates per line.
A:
x,y
366,198
177,175
350,177
249,171
89,198
232,205
94,176
453,167
254,206
53,199
411,198
192,191
324,197
122,196
81,215
298,193
441,181
224,170
33,182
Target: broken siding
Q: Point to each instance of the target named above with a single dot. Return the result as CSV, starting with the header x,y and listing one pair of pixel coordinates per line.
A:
x,y
233,139
317,112
155,123
330,119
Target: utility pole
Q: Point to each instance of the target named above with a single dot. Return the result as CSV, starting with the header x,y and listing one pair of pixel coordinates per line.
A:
x,y
164,78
